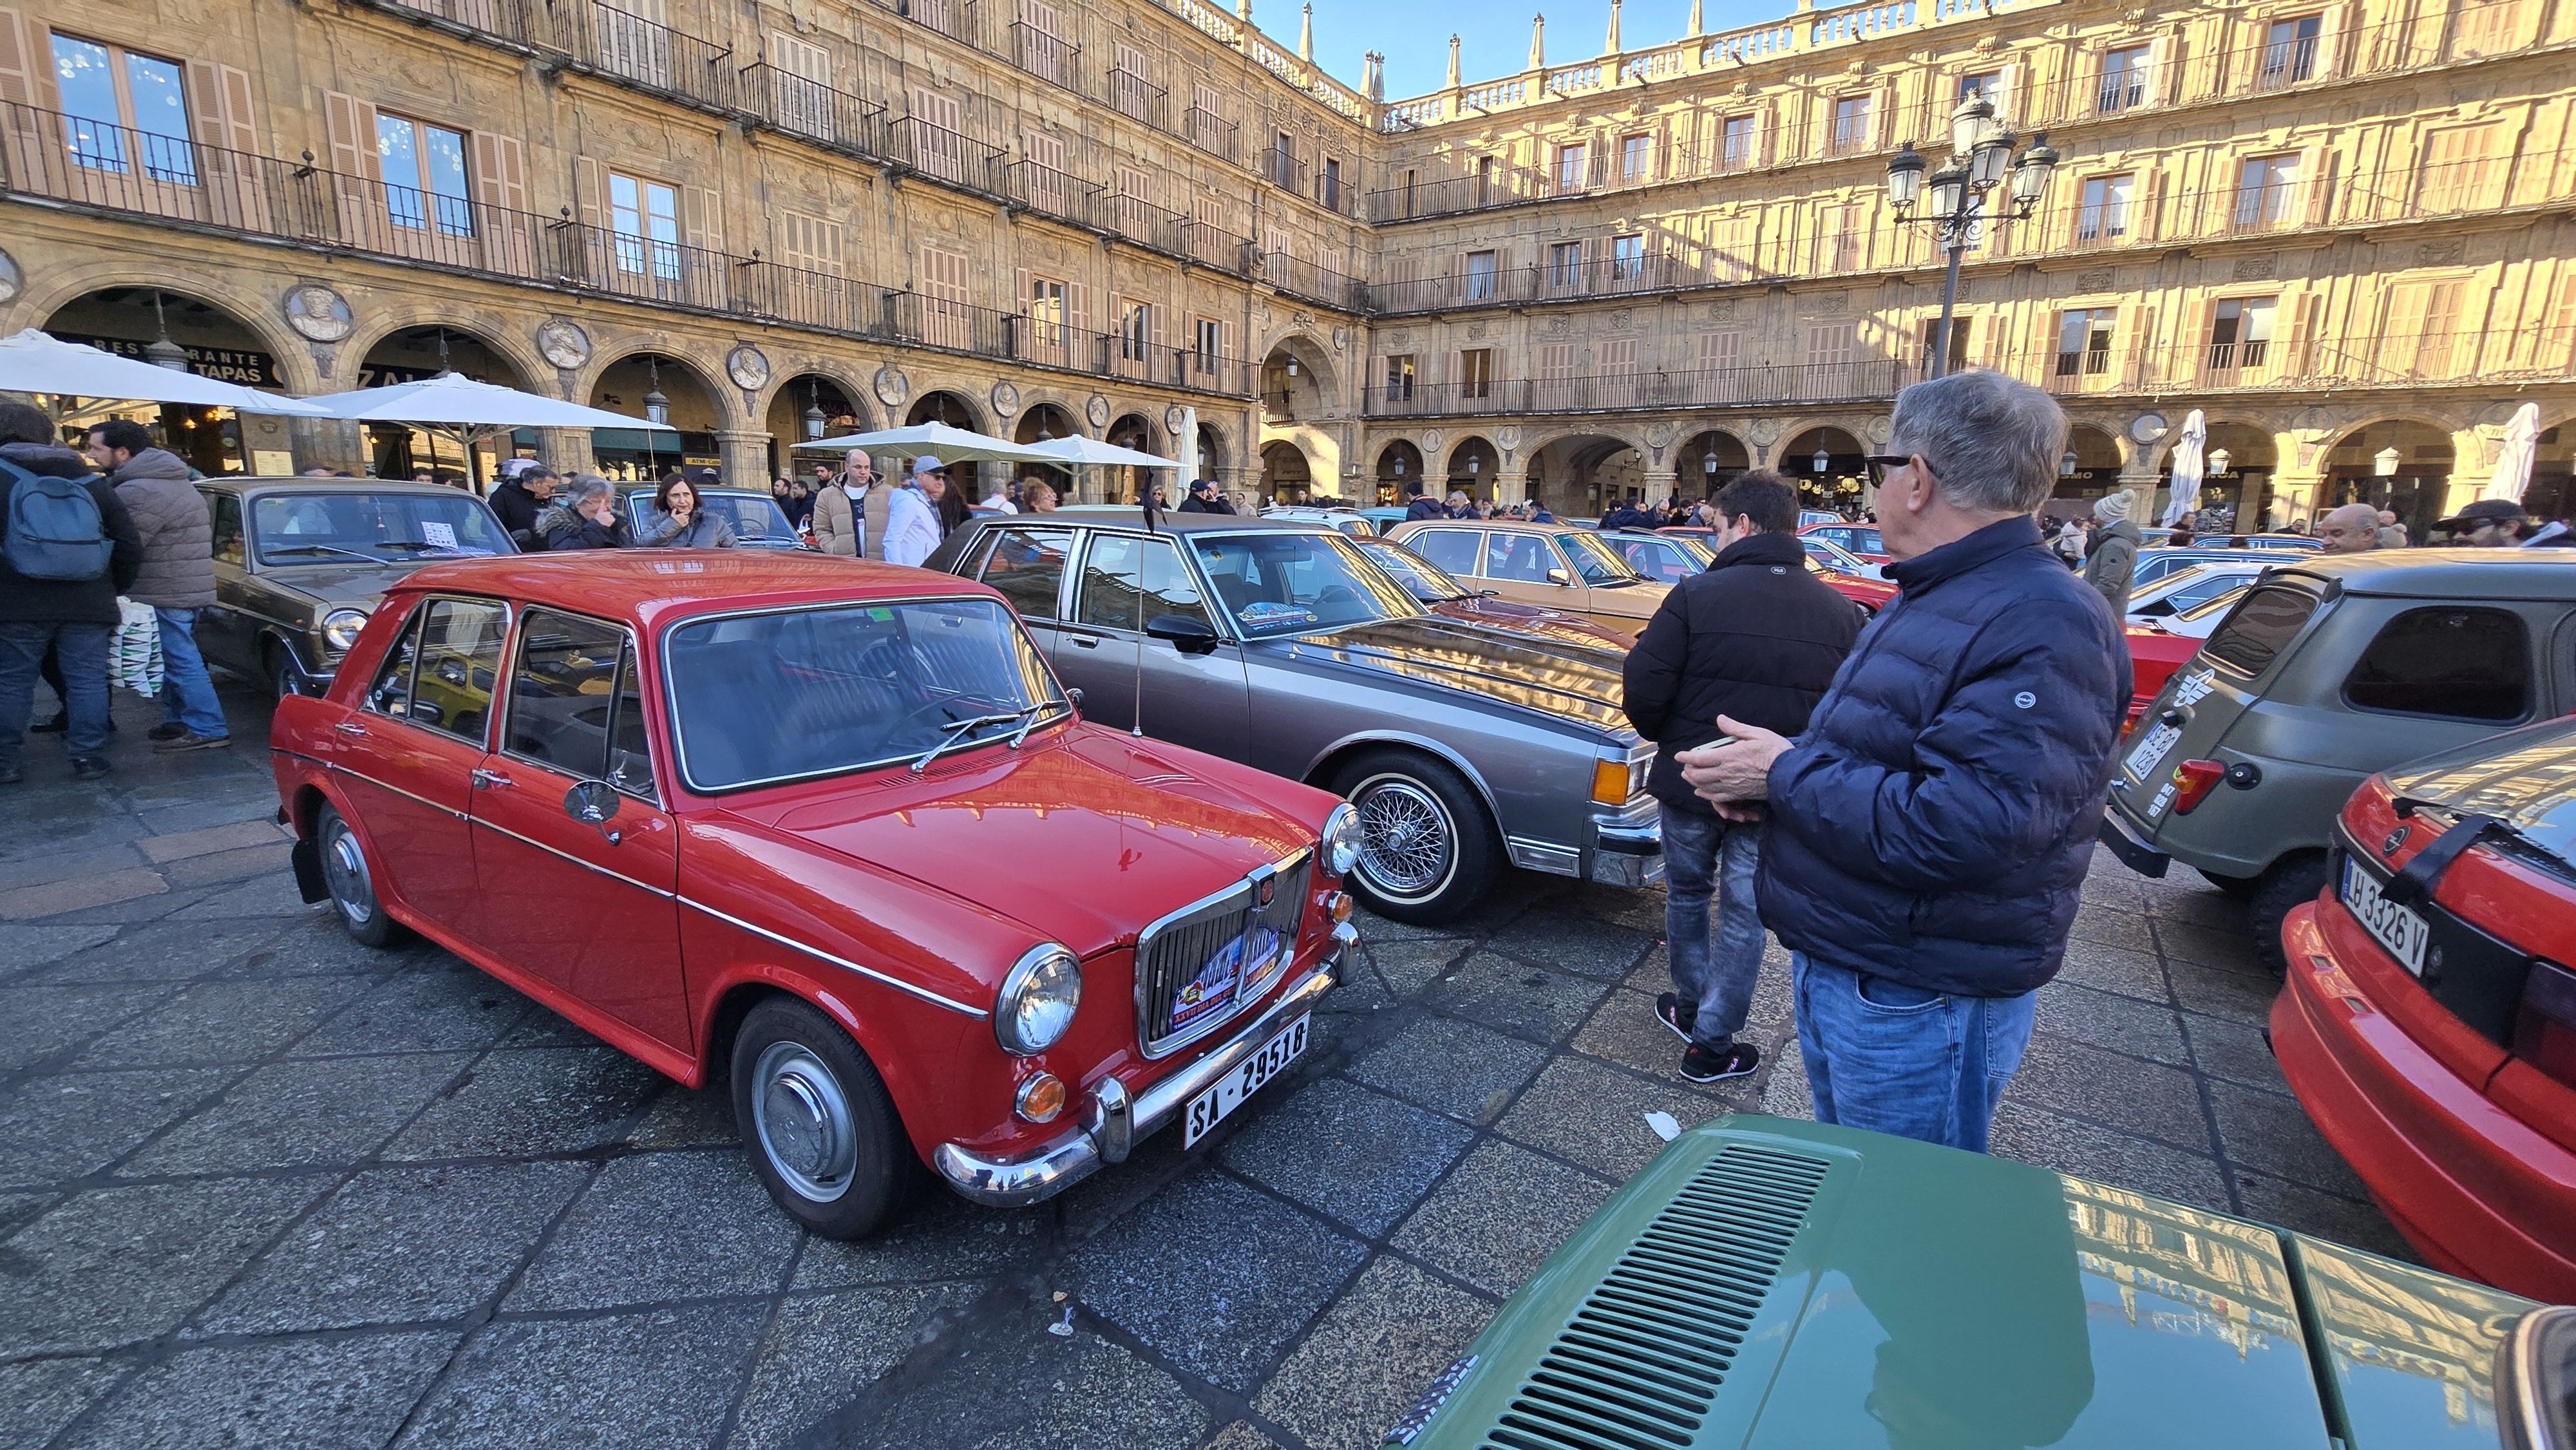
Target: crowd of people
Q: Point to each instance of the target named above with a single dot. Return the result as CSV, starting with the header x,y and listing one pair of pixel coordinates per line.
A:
x,y
1459,506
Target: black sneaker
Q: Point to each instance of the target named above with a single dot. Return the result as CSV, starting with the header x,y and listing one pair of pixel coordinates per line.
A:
x,y
61,722
89,767
1670,1011
1701,1065
166,730
185,741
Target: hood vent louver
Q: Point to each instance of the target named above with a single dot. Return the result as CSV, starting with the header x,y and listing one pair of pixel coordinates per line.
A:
x,y
1638,1365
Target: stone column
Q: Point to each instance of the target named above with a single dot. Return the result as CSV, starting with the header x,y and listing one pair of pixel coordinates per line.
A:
x,y
743,458
2298,495
328,443
1660,483
566,450
2143,481
1511,486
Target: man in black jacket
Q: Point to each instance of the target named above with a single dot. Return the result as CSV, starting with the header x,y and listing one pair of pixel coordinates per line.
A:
x,y
519,500
75,617
1756,638
1204,499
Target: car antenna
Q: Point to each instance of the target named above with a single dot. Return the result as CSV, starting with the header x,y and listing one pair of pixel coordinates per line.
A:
x,y
1136,720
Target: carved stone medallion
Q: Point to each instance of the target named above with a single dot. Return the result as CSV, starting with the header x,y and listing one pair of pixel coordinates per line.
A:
x,y
2147,427
561,341
748,368
318,314
1431,439
1173,418
1006,399
12,281
891,386
1097,410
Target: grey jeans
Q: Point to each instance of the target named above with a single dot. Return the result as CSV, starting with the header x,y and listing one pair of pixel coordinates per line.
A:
x,y
1714,972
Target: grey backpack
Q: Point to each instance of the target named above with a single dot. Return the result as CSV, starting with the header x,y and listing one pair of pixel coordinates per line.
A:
x,y
55,531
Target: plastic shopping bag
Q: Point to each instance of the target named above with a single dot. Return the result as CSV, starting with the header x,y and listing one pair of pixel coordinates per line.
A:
x,y
134,657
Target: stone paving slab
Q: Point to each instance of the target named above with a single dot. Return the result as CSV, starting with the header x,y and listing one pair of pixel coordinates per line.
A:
x,y
261,1185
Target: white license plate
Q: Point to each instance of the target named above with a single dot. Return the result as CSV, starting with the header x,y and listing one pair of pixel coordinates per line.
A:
x,y
2395,927
1266,1062
2150,753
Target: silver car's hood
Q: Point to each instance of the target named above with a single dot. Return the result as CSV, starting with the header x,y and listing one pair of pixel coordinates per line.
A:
x,y
2527,779
1569,683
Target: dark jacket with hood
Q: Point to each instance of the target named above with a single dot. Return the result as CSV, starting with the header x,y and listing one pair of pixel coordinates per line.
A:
x,y
178,533
1424,506
1934,823
517,508
1756,638
70,601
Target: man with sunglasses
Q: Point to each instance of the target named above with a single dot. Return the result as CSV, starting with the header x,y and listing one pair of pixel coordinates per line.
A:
x,y
1930,829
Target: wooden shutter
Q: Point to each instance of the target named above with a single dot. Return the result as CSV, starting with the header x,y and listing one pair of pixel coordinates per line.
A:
x,y
702,218
501,187
587,192
20,45
356,164
220,103
1716,351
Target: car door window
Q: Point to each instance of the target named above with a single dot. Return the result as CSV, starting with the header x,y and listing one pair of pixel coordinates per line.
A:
x,y
1519,558
223,512
2460,664
460,662
563,693
2265,622
1451,551
1115,597
1027,566
391,692
630,753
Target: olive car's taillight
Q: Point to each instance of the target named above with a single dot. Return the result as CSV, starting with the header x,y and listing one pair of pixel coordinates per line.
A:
x,y
2544,1027
2192,781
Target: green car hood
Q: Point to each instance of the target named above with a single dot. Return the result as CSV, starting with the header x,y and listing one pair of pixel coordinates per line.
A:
x,y
1768,1283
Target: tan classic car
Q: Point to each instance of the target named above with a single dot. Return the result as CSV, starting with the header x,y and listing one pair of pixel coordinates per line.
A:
x,y
1555,565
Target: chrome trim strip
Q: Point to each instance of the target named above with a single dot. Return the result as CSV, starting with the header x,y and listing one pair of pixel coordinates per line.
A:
x,y
1535,855
488,825
1117,1121
900,985
395,789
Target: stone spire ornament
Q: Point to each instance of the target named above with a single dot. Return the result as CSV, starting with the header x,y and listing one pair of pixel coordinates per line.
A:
x,y
1306,37
1696,27
1538,42
1453,58
1611,46
1373,75
1243,11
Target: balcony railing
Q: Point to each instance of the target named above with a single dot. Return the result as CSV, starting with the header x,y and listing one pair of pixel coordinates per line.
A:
x,y
1314,281
1138,99
617,42
1058,194
121,171
1209,132
1045,55
813,111
951,157
1751,384
1214,245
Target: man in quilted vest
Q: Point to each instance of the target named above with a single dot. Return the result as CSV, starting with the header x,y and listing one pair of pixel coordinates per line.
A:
x,y
177,578
1930,829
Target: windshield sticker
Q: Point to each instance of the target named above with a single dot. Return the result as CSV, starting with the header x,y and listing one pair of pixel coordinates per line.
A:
x,y
1262,612
437,535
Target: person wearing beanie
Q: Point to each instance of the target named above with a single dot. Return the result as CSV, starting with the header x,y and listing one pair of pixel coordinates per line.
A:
x,y
2113,559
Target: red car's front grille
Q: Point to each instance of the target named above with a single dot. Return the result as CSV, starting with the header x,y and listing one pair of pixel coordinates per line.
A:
x,y
1191,966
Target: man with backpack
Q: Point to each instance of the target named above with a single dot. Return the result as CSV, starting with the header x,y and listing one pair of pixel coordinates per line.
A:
x,y
67,549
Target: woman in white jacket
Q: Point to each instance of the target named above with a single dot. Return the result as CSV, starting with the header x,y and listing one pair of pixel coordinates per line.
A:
x,y
912,514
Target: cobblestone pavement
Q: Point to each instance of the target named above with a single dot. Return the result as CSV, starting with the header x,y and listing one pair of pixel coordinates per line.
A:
x,y
259,1185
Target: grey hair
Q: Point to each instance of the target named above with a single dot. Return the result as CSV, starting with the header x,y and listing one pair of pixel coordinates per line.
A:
x,y
581,488
1993,442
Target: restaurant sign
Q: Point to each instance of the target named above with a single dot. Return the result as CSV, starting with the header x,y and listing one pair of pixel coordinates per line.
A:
x,y
225,364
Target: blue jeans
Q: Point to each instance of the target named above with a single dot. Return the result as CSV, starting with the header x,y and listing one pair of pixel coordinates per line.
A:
x,y
1705,856
187,691
82,651
1897,1059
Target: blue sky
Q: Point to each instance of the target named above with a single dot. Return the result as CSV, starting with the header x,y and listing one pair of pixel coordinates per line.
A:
x,y
1493,38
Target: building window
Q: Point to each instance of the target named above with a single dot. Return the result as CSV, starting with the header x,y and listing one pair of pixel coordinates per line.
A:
x,y
1328,186
1838,238
2240,335
1636,159
1573,164
1399,378
1735,150
2103,215
1716,351
1484,181
1211,343
1564,266
424,171
1135,330
1127,86
1628,257
1283,161
1851,124
2124,79
1206,125
1483,270
107,91
1476,373
947,318
1958,348
644,222
2290,51
1986,83
1830,344
2264,190
1045,304
2084,341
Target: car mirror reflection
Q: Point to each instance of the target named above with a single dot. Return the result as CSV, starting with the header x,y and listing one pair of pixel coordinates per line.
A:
x,y
591,802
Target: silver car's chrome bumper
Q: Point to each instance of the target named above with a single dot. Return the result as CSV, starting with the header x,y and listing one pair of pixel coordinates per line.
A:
x,y
1628,849
1115,1121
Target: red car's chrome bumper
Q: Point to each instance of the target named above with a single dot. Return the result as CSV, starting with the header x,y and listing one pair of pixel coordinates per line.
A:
x,y
2440,1157
1114,1121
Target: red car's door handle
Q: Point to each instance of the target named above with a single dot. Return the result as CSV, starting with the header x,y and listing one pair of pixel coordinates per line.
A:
x,y
490,780
350,727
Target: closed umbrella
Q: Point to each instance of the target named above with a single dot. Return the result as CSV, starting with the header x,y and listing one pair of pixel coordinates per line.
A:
x,y
2513,460
37,362
2187,463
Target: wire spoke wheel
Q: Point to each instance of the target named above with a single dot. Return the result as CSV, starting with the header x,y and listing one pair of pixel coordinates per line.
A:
x,y
1408,842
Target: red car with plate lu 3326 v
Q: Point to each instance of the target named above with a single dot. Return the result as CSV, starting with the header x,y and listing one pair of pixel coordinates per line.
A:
x,y
829,832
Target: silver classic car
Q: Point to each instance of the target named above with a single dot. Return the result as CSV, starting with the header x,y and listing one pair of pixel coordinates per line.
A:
x,y
1278,644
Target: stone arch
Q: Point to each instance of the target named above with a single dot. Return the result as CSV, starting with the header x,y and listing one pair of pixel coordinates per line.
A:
x,y
1216,455
1299,380
2418,492
220,342
793,373
1287,474
844,410
1125,484
1581,473
1397,470
1842,482
528,372
415,352
253,311
700,408
954,406
1694,477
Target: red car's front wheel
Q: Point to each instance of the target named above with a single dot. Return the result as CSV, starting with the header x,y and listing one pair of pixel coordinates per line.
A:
x,y
822,1131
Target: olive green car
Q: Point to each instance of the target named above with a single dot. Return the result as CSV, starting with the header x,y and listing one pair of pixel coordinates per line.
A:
x,y
1770,1283
301,562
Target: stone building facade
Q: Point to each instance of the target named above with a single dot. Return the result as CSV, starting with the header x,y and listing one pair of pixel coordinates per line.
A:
x,y
2338,230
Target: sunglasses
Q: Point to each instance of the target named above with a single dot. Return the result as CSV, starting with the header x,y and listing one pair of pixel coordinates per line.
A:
x,y
1883,466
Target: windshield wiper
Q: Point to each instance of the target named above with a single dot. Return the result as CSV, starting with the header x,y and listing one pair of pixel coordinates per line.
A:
x,y
270,553
1029,717
955,732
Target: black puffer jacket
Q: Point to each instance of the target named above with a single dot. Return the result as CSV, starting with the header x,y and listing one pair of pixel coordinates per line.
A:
x,y
178,536
1756,638
72,601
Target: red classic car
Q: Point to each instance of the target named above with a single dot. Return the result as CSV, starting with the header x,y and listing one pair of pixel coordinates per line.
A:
x,y
831,832
2429,1020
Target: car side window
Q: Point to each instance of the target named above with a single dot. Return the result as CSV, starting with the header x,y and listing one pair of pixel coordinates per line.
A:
x,y
630,752
223,511
1451,551
1520,558
1027,566
391,692
1111,587
460,662
2458,663
2261,626
563,693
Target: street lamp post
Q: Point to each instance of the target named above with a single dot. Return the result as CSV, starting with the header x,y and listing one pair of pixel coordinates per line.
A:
x,y
1980,154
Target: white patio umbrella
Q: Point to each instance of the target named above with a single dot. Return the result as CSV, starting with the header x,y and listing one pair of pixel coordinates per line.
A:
x,y
1092,450
2187,463
2513,460
456,406
37,362
939,440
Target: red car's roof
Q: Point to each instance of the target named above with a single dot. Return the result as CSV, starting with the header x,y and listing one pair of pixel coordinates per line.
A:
x,y
646,584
